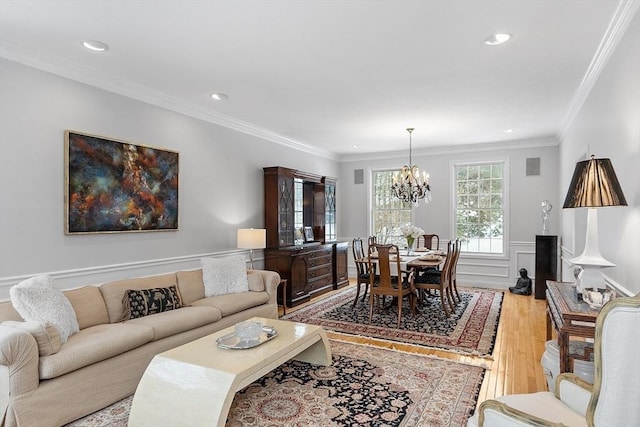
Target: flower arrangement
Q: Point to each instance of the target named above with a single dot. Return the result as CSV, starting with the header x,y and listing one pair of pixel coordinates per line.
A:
x,y
411,233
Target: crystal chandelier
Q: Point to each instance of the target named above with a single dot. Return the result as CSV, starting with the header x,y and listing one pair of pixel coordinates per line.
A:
x,y
408,185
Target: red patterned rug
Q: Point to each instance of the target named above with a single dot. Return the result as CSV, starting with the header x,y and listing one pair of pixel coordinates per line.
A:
x,y
471,328
365,386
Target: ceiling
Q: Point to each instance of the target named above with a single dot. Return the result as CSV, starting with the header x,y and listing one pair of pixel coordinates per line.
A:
x,y
327,75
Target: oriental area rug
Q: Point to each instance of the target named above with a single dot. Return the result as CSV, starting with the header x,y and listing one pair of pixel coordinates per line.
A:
x,y
364,386
471,328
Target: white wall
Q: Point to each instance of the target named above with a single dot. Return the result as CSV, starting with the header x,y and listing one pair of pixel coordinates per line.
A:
x,y
220,181
608,126
525,196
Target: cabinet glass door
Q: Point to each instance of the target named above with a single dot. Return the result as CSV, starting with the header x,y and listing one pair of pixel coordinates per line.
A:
x,y
330,233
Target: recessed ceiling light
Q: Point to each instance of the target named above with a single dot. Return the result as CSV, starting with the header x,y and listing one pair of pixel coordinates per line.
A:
x,y
355,145
95,45
497,39
507,130
219,96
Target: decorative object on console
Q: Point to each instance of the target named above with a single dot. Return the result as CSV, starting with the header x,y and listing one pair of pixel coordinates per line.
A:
x,y
408,185
114,186
594,184
252,238
596,298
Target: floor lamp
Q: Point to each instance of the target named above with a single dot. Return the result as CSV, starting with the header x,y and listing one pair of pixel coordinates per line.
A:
x,y
252,238
594,185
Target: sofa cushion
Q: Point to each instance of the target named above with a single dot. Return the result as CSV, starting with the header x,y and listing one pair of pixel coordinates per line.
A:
x,y
92,345
177,321
190,285
89,306
144,302
38,299
8,312
233,303
46,335
112,292
224,275
256,281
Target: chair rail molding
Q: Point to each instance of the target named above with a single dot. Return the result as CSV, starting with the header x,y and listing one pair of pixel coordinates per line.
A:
x,y
69,279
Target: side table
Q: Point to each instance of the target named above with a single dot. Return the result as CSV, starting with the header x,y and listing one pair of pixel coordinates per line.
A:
x,y
570,317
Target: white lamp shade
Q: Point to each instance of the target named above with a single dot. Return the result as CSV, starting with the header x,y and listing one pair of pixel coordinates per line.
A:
x,y
252,238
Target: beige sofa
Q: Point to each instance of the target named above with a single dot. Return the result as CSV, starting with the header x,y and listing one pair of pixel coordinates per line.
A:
x,y
105,360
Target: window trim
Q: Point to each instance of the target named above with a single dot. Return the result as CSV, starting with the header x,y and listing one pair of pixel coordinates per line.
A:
x,y
454,198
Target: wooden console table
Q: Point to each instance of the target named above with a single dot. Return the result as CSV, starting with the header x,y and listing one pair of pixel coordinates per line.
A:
x,y
570,317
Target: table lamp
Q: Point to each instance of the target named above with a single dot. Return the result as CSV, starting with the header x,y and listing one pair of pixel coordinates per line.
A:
x,y
594,185
252,238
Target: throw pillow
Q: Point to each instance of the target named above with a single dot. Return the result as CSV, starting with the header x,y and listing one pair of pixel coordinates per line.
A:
x,y
39,300
46,335
143,302
226,275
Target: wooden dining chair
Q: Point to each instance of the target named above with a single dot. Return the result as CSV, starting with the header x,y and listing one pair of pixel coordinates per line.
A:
x,y
439,280
396,285
427,241
362,267
454,265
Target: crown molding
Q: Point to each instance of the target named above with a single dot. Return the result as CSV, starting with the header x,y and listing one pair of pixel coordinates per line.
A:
x,y
549,141
620,21
96,78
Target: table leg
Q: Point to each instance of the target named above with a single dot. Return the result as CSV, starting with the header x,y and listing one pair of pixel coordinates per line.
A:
x,y
563,343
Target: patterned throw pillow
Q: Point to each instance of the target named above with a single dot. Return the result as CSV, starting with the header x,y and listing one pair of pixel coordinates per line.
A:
x,y
143,302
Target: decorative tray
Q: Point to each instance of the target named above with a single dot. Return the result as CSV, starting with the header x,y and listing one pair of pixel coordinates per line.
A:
x,y
233,342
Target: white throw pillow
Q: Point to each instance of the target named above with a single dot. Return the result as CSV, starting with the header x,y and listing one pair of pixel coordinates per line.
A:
x,y
226,275
39,300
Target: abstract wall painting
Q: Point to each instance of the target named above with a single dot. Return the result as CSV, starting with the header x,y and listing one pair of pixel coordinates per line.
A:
x,y
115,186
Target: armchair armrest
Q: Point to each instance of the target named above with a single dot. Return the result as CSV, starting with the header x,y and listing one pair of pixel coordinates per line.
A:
x,y
495,413
574,392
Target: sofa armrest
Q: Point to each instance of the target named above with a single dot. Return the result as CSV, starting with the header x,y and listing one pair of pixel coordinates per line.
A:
x,y
18,365
271,280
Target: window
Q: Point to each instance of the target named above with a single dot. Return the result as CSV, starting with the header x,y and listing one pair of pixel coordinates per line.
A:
x,y
388,212
480,206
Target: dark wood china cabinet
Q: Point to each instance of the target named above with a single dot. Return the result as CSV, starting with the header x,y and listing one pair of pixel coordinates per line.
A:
x,y
302,246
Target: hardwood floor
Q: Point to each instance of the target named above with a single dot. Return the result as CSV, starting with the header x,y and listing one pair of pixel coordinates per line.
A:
x,y
515,364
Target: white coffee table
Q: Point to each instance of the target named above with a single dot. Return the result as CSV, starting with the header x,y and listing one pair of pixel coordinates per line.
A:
x,y
194,384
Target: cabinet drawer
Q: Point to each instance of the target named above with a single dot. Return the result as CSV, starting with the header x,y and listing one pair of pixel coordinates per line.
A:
x,y
318,261
320,271
320,282
322,252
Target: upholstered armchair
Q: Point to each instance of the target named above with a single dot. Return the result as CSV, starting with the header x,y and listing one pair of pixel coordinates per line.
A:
x,y
611,401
